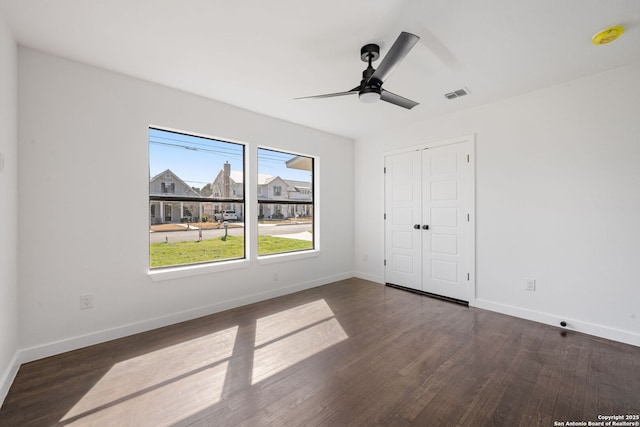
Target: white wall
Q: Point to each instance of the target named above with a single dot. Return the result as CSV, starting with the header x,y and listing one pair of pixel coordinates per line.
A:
x,y
557,199
83,158
8,210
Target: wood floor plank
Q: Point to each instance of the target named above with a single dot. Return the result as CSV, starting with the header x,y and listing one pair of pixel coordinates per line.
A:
x,y
351,353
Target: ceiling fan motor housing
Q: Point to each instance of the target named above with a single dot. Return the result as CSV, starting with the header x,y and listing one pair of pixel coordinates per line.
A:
x,y
370,89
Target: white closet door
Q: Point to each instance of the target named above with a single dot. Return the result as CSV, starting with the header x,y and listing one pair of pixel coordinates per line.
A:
x,y
446,204
403,252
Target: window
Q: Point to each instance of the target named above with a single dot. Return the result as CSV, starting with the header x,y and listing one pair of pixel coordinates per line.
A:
x,y
193,180
292,208
166,187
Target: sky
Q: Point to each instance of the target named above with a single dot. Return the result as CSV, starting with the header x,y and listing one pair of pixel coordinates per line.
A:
x,y
197,160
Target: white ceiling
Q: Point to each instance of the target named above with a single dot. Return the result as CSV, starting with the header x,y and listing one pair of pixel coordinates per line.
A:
x,y
259,55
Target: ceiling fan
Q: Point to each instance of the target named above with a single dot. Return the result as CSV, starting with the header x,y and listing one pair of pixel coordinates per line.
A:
x,y
370,88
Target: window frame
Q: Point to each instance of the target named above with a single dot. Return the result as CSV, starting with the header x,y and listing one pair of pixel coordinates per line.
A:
x,y
182,270
294,254
251,208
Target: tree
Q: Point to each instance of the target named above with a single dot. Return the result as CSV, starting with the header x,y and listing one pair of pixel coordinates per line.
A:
x,y
206,191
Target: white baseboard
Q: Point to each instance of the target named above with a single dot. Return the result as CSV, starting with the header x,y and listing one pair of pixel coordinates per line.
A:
x,y
73,343
619,335
369,277
8,376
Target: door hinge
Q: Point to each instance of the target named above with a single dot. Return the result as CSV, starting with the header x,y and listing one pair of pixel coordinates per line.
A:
x,y
385,216
385,262
467,276
385,170
467,217
467,158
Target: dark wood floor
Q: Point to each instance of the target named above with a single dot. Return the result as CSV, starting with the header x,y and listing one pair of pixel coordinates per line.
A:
x,y
349,353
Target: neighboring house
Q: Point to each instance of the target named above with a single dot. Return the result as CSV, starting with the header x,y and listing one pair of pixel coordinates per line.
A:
x,y
227,185
275,189
167,184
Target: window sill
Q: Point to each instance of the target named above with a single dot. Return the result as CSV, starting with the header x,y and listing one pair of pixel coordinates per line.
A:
x,y
289,256
196,270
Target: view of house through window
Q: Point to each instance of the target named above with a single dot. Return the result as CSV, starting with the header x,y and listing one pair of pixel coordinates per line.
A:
x,y
285,202
196,199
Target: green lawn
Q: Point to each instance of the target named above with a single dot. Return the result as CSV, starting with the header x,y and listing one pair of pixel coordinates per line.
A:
x,y
274,245
190,252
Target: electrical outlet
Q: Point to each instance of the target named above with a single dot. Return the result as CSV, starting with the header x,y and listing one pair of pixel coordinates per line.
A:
x,y
86,301
529,284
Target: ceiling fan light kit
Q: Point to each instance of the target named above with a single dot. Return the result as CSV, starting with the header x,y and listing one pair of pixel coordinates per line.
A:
x,y
369,97
370,88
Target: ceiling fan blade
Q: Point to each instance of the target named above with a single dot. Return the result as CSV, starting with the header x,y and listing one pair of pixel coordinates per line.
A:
x,y
400,48
398,100
331,95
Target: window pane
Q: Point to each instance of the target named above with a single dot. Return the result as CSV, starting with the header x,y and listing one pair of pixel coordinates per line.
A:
x,y
196,187
285,202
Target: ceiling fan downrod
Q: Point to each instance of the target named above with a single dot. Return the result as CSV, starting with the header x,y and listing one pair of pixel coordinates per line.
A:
x,y
370,90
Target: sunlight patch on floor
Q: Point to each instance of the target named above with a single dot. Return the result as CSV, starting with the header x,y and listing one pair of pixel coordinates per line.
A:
x,y
288,337
191,374
164,405
275,326
166,386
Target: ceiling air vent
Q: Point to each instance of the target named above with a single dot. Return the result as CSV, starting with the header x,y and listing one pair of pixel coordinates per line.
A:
x,y
457,94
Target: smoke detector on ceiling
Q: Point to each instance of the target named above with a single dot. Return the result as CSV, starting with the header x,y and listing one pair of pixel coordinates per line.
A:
x,y
608,35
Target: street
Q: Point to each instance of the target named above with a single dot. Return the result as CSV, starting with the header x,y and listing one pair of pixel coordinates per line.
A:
x,y
269,230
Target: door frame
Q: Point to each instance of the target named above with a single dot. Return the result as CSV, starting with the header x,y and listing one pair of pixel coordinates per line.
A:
x,y
471,257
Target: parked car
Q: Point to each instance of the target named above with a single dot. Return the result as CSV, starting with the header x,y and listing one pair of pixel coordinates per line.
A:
x,y
226,216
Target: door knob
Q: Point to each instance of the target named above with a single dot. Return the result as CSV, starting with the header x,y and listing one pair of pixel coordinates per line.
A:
x,y
417,226
425,227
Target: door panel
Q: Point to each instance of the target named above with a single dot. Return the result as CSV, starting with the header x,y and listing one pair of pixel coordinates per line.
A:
x,y
431,187
401,216
402,206
402,192
444,243
444,270
403,240
443,217
445,190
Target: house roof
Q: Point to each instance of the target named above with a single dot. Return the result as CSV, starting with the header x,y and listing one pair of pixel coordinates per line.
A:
x,y
176,178
496,49
298,184
264,179
238,177
300,162
153,178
